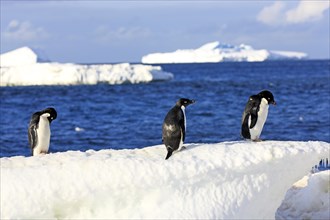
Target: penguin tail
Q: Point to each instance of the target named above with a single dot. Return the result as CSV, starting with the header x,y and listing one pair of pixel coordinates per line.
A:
x,y
169,153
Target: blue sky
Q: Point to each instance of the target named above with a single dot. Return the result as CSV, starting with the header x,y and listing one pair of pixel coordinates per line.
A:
x,y
124,31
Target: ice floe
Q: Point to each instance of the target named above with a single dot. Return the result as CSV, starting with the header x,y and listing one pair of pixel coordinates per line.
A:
x,y
227,180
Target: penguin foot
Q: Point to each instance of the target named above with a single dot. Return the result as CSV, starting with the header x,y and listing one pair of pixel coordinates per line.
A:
x,y
257,140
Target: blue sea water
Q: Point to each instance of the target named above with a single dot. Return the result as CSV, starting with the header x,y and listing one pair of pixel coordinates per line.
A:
x,y
130,116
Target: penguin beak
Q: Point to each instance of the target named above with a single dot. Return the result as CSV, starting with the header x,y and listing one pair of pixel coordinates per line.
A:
x,y
274,103
192,101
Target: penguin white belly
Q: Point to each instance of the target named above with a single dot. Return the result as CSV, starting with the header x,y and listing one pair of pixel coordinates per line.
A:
x,y
185,127
184,117
43,136
181,143
262,117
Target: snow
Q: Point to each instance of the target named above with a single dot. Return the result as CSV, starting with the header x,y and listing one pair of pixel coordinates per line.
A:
x,y
216,52
22,68
228,180
308,198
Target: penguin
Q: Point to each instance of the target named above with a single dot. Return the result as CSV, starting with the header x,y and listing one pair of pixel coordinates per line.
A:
x,y
174,126
39,130
255,115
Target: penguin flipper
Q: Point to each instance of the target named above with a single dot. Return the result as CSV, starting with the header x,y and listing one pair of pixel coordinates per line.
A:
x,y
33,136
169,153
183,130
32,130
254,118
245,133
252,109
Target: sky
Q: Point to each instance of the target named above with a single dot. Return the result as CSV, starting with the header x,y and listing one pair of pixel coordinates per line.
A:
x,y
124,31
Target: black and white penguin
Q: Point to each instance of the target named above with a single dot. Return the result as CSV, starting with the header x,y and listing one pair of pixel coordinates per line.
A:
x,y
39,130
255,115
174,126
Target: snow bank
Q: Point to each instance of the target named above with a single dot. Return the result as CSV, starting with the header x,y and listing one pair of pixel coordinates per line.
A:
x,y
205,181
22,68
215,52
308,198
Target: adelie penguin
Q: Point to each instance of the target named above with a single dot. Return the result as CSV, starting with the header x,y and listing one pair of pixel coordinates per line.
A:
x,y
255,115
174,127
39,130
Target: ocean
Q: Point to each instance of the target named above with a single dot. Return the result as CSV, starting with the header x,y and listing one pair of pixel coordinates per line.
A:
x,y
130,116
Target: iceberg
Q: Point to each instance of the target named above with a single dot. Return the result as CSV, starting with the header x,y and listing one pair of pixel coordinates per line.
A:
x,y
215,52
22,67
22,56
227,180
76,74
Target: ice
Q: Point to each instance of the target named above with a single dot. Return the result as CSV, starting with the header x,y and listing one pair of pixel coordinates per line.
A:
x,y
22,68
287,55
308,198
227,180
22,56
215,52
79,129
75,74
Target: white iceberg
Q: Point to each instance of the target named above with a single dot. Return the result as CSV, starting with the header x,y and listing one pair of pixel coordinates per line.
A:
x,y
215,52
22,68
229,180
22,56
75,74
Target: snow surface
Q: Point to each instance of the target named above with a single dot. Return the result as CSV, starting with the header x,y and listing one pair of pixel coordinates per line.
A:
x,y
308,198
21,68
228,180
215,52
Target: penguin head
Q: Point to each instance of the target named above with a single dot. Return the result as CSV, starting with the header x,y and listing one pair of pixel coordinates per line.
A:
x,y
268,96
51,114
184,102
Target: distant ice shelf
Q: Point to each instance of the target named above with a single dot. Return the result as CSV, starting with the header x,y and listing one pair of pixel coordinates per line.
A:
x,y
25,67
215,52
